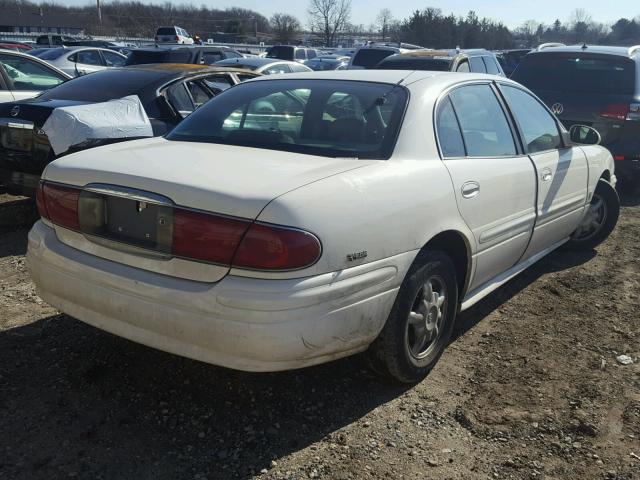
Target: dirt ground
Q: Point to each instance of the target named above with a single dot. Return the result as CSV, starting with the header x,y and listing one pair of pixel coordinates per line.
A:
x,y
529,389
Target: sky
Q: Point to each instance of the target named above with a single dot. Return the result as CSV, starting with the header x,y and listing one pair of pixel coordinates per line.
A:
x,y
511,13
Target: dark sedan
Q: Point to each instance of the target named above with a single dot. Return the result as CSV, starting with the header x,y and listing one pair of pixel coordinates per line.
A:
x,y
167,93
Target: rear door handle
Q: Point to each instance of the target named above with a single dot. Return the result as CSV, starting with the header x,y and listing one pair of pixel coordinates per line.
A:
x,y
470,189
546,175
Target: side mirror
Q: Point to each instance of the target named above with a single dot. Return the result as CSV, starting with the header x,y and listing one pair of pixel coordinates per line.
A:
x,y
584,135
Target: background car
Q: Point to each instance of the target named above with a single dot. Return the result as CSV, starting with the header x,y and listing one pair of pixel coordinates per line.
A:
x,y
328,62
229,250
368,56
77,61
24,76
598,86
17,46
264,66
457,60
173,35
168,94
510,59
291,53
194,54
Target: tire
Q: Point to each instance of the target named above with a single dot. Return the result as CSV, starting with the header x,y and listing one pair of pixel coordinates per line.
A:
x,y
599,220
398,352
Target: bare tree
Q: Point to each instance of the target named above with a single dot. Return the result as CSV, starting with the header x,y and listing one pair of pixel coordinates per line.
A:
x,y
384,23
329,17
284,27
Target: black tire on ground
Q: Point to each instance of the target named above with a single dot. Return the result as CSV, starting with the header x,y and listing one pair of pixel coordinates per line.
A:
x,y
391,352
606,196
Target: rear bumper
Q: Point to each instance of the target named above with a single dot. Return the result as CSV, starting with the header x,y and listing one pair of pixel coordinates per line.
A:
x,y
241,323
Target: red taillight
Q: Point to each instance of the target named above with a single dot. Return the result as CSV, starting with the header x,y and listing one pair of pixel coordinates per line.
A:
x,y
206,237
617,111
42,208
269,247
619,158
177,39
60,205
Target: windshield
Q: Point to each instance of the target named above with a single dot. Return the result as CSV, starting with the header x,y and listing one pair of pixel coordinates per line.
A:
x,y
433,64
280,52
579,73
101,86
315,117
370,57
53,53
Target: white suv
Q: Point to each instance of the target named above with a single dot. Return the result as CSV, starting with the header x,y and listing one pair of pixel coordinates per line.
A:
x,y
173,35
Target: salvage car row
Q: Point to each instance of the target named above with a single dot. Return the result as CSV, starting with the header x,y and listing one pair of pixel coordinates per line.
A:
x,y
295,219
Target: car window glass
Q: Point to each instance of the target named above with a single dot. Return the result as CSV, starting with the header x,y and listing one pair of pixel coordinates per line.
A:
x,y
463,66
278,68
538,127
484,126
312,53
449,135
300,55
113,59
26,74
232,54
89,57
218,82
492,66
180,100
209,58
199,94
242,77
477,65
298,67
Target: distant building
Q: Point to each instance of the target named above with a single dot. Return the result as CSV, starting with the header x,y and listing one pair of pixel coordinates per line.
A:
x,y
35,21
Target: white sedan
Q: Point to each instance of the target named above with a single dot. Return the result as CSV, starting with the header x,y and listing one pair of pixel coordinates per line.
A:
x,y
297,219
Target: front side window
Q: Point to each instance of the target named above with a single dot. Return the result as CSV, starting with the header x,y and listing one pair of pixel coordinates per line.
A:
x,y
316,117
180,99
483,123
477,65
89,57
27,74
449,134
209,58
112,59
538,128
463,66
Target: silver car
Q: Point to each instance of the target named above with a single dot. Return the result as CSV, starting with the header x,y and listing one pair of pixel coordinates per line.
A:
x,y
77,61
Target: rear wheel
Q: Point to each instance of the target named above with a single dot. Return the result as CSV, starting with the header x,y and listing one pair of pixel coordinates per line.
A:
x,y
599,220
421,320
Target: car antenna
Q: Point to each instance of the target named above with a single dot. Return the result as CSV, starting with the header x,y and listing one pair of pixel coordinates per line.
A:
x,y
584,46
382,99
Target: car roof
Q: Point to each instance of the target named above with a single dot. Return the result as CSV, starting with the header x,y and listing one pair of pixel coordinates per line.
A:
x,y
251,61
602,49
391,77
179,69
450,53
168,47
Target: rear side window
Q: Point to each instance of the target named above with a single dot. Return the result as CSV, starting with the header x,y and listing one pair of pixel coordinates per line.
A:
x,y
209,58
484,126
370,57
492,65
277,68
477,65
218,82
300,55
281,52
538,128
449,135
577,73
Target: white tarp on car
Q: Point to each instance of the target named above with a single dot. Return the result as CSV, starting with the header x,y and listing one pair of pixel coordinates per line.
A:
x,y
121,118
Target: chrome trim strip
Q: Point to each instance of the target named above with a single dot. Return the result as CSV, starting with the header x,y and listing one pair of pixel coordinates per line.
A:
x,y
16,123
129,193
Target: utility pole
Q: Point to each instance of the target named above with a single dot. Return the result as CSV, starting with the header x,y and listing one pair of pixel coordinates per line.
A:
x,y
99,12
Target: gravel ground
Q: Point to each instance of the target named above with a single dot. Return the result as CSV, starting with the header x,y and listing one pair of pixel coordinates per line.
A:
x,y
530,388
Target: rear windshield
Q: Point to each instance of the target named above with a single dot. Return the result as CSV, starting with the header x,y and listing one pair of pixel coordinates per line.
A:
x,y
53,53
101,86
138,57
437,64
316,117
280,52
579,73
321,65
166,31
370,57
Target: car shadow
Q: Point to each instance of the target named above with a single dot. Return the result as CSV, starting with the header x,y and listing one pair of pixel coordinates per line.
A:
x,y
629,198
559,260
78,401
